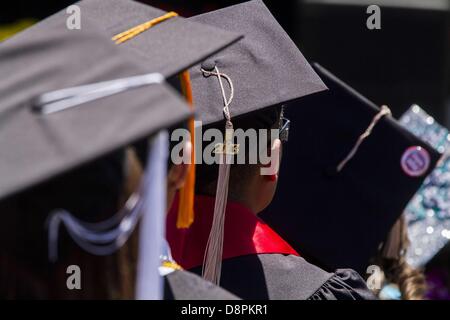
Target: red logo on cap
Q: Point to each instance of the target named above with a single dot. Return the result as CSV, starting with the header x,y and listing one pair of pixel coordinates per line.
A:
x,y
415,161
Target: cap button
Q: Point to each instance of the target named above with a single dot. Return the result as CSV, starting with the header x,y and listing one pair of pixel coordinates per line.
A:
x,y
208,65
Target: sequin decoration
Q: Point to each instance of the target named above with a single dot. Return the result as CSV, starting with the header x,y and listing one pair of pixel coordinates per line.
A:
x,y
428,212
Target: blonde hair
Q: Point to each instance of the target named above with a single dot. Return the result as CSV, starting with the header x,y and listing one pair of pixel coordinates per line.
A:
x,y
391,258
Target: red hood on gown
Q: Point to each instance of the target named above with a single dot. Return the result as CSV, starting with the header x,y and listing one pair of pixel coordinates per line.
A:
x,y
245,233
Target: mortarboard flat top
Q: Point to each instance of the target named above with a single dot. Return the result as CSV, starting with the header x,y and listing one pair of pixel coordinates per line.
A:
x,y
169,47
266,67
340,218
47,57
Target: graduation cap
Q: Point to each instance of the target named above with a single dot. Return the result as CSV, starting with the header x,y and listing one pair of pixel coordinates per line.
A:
x,y
428,212
70,98
161,42
266,67
42,145
167,44
347,174
263,70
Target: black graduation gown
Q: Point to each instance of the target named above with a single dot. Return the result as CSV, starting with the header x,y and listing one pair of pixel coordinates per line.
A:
x,y
185,285
257,263
288,277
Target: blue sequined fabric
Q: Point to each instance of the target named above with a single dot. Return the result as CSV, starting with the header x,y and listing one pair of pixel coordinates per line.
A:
x,y
428,212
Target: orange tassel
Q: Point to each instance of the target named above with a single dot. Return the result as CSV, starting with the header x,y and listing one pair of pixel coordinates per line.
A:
x,y
187,193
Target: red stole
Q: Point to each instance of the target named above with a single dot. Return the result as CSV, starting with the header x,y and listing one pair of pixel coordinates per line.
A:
x,y
245,234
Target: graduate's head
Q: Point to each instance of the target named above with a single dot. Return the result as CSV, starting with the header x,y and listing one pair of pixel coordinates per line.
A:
x,y
63,133
69,193
262,70
92,193
254,172
246,80
395,267
351,156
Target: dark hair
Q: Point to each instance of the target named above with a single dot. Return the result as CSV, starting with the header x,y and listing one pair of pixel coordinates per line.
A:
x,y
206,174
92,193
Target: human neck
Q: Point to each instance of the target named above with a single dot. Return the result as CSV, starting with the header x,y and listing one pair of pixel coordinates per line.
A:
x,y
243,195
246,199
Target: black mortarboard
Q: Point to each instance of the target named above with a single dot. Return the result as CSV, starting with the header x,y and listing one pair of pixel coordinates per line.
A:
x,y
263,70
160,41
73,97
49,57
347,174
69,107
428,212
266,67
169,46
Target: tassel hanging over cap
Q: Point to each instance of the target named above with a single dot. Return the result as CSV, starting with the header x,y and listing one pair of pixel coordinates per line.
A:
x,y
384,111
212,262
187,193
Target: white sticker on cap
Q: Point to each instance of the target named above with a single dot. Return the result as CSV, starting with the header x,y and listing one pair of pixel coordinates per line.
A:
x,y
415,161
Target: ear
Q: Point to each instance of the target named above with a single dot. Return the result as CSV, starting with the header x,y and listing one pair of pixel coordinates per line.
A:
x,y
178,172
276,154
274,165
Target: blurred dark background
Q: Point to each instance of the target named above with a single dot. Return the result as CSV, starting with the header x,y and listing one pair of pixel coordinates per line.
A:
x,y
407,61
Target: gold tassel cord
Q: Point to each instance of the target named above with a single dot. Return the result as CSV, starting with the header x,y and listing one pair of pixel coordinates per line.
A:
x,y
384,111
133,32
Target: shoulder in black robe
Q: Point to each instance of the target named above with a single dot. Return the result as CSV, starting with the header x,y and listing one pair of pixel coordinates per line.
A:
x,y
288,277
